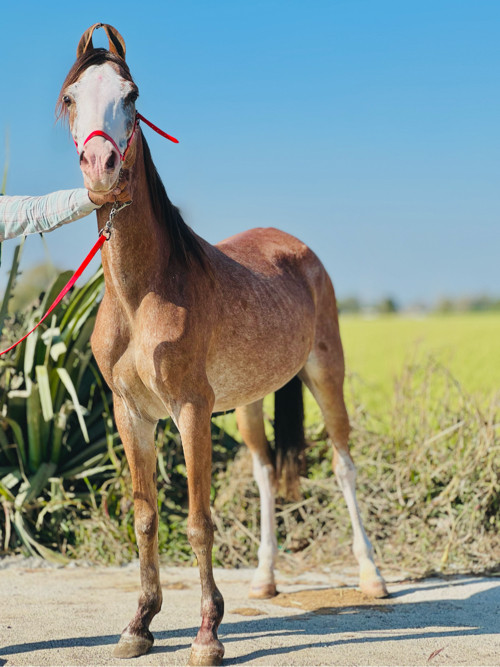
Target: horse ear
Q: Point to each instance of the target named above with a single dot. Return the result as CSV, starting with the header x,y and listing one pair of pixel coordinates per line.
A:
x,y
116,41
85,42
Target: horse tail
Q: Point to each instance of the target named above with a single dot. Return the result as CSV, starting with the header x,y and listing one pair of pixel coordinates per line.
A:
x,y
289,438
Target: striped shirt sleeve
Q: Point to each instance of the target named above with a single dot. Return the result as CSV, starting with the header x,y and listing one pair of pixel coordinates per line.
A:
x,y
31,215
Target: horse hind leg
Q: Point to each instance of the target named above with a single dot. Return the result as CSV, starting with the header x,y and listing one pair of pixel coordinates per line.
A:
x,y
251,426
370,579
324,375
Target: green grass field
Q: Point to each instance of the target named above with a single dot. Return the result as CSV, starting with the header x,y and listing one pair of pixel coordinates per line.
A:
x,y
377,350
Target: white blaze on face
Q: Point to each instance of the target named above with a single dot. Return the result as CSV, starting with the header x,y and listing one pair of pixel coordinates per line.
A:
x,y
99,98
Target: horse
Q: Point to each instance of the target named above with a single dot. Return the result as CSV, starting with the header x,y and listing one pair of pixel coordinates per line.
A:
x,y
186,329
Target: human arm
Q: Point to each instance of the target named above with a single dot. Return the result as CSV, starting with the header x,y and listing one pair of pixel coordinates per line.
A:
x,y
29,215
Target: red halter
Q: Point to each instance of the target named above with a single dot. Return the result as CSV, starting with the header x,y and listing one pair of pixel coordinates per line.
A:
x,y
104,234
138,117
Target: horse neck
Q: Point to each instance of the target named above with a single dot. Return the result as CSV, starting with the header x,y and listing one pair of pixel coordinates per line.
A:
x,y
139,243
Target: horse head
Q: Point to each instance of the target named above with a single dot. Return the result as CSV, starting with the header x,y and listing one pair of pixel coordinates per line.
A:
x,y
98,98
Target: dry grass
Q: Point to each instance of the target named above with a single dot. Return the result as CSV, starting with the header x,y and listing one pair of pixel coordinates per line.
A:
x,y
428,487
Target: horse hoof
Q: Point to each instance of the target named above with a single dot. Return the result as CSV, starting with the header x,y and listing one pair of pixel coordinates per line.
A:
x,y
206,655
131,646
375,588
262,592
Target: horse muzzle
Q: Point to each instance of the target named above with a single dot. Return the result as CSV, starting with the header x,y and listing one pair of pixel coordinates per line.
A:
x,y
100,162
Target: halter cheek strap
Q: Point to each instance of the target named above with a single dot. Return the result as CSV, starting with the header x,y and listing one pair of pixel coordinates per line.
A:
x,y
138,117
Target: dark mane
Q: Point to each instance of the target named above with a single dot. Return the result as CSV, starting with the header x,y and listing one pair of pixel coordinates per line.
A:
x,y
185,243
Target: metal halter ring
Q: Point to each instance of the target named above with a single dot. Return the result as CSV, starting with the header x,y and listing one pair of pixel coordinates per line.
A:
x,y
117,206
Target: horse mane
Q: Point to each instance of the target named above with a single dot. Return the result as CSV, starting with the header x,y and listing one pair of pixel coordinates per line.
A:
x,y
185,244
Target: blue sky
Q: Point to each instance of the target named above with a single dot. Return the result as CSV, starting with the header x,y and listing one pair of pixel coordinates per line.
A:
x,y
368,128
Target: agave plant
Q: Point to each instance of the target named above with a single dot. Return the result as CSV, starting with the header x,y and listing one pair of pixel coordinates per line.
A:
x,y
55,420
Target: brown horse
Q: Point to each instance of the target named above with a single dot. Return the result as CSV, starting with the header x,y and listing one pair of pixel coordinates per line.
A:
x,y
187,328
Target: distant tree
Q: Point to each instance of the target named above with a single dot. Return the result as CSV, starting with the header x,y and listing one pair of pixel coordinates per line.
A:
x,y
466,304
445,305
483,303
386,306
350,305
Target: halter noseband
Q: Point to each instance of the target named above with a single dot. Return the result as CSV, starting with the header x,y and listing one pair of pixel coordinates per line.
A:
x,y
138,117
101,133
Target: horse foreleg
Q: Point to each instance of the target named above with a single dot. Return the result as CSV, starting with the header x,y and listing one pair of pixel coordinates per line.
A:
x,y
251,426
138,440
194,427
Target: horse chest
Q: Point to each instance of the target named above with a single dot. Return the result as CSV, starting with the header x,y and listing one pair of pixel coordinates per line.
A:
x,y
137,386
138,351
127,371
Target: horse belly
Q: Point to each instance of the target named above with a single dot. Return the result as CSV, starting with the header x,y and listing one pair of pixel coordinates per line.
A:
x,y
246,369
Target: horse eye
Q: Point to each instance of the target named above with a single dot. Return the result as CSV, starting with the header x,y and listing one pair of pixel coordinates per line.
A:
x,y
66,100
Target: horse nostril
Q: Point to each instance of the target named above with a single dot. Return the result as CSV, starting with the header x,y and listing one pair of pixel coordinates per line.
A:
x,y
82,157
111,161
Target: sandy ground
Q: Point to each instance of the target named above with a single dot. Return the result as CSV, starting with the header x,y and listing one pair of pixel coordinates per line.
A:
x,y
73,616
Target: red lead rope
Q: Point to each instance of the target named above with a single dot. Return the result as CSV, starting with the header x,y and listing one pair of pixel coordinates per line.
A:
x,y
97,246
156,129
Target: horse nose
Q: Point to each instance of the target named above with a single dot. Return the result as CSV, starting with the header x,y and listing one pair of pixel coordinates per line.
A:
x,y
99,162
111,161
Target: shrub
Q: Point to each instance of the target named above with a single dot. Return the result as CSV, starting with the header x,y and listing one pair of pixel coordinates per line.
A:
x,y
55,424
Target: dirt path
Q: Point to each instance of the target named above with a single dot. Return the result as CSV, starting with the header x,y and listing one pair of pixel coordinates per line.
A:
x,y
73,616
